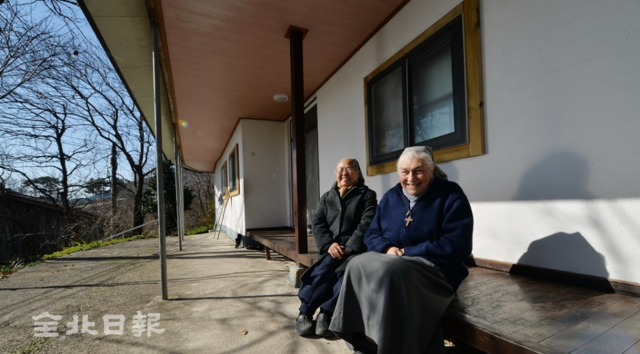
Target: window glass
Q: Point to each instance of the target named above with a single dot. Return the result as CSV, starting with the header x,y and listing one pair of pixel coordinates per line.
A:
x,y
387,113
234,175
225,180
432,88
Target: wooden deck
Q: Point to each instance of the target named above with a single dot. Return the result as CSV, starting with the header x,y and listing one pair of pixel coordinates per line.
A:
x,y
282,240
499,312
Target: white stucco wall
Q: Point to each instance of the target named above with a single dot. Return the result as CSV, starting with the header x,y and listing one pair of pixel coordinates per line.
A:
x,y
266,174
557,187
231,216
265,178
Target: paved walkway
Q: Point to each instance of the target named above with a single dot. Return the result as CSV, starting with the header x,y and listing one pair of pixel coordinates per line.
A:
x,y
222,299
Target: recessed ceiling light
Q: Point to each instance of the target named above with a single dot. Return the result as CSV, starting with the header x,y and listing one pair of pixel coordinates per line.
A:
x,y
281,97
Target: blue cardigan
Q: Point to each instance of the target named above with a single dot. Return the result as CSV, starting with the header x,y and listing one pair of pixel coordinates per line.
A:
x,y
441,230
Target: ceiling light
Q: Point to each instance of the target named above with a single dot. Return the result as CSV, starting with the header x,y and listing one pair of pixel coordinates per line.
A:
x,y
281,97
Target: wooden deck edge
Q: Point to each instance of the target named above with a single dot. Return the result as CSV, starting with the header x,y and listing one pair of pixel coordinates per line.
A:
x,y
274,242
588,281
457,329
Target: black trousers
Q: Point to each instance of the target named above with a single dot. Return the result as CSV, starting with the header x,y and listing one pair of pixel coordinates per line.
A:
x,y
321,286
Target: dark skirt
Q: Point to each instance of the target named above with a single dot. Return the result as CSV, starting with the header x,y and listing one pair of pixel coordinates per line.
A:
x,y
396,301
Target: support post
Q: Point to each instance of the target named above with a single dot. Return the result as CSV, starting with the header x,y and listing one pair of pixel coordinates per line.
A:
x,y
295,36
157,103
181,204
179,193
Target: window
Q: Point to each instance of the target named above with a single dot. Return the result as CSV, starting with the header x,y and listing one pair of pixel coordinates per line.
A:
x,y
234,175
430,93
224,180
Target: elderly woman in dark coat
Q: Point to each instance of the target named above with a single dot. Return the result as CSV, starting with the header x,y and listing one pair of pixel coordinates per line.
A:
x,y
343,216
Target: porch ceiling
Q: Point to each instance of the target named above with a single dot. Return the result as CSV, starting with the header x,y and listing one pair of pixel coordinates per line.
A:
x,y
225,59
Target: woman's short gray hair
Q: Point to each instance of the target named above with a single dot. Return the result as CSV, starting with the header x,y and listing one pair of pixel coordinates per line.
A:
x,y
424,153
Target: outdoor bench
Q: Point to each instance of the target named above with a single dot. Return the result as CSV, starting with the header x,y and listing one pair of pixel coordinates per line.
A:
x,y
520,309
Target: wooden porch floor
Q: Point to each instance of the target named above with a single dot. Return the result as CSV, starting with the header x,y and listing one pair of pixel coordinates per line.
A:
x,y
499,312
282,240
534,315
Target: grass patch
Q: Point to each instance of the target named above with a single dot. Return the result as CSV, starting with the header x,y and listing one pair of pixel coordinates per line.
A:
x,y
90,245
7,269
197,230
34,346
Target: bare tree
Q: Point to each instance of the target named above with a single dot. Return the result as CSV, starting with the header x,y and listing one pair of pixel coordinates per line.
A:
x,y
43,139
65,115
64,109
96,96
104,104
28,46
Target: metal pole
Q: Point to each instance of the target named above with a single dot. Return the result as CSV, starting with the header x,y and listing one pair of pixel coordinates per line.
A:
x,y
181,204
159,158
178,182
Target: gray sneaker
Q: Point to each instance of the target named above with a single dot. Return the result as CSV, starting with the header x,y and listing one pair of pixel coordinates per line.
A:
x,y
322,325
304,325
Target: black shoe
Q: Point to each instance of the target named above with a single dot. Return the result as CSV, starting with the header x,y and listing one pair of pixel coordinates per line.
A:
x,y
304,325
359,343
322,324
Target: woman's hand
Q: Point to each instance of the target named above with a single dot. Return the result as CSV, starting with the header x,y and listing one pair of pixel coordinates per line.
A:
x,y
337,251
395,251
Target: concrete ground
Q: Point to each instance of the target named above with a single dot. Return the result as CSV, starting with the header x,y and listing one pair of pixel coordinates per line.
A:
x,y
222,299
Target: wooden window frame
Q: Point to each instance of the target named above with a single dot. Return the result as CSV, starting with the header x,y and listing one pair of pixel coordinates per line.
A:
x,y
468,10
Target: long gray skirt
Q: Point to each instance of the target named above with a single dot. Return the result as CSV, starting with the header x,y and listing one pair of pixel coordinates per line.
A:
x,y
396,301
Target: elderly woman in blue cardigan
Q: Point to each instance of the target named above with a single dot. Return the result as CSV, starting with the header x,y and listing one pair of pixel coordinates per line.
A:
x,y
394,296
343,216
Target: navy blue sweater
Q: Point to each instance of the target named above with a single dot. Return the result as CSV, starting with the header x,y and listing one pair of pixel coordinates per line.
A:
x,y
441,230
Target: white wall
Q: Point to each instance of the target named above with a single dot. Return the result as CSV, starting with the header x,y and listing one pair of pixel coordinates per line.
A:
x,y
557,187
266,174
230,213
232,218
265,178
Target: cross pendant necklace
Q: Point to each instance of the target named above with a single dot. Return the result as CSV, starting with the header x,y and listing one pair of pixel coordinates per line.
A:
x,y
408,219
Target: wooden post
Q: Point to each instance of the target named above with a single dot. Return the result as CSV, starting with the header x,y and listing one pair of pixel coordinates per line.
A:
x,y
295,36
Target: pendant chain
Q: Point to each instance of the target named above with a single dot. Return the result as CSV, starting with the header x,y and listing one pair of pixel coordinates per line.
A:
x,y
408,218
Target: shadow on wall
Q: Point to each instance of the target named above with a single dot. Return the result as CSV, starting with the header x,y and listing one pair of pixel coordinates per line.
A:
x,y
561,175
572,258
453,174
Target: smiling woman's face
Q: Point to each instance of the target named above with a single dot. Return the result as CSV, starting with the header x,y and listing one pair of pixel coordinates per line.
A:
x,y
346,174
414,175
